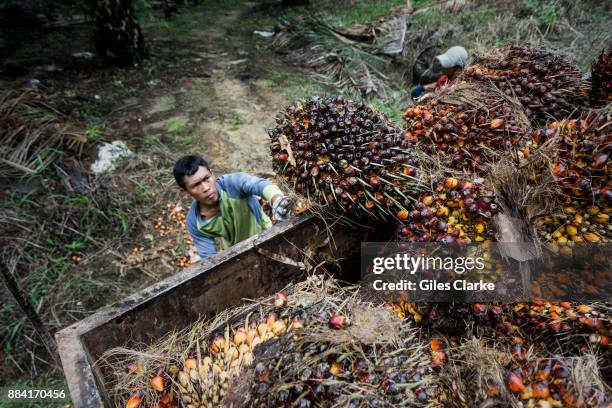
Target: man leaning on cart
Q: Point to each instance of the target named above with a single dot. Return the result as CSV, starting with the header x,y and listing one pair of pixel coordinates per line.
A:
x,y
227,206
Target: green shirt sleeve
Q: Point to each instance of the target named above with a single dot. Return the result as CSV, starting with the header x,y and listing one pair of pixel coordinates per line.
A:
x,y
270,191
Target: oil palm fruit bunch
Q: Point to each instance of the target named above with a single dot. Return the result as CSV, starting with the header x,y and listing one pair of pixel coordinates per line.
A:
x,y
205,381
547,85
342,153
452,211
204,377
545,324
565,325
466,127
581,168
601,80
582,164
306,370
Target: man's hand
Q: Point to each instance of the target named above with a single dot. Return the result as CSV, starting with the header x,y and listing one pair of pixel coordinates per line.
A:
x,y
280,207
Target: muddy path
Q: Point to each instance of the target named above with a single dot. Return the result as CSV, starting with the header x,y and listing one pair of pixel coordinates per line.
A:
x,y
224,112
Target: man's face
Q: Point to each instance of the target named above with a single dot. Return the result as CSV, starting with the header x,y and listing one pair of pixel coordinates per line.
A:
x,y
201,186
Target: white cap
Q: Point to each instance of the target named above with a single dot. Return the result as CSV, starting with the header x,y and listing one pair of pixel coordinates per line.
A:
x,y
453,57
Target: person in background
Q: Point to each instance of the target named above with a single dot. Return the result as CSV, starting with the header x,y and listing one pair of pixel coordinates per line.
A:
x,y
227,206
449,65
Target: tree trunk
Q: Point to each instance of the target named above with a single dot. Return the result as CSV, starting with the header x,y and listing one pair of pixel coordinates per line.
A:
x,y
117,35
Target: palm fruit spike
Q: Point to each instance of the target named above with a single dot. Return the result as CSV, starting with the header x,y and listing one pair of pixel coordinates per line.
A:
x,y
601,80
454,211
467,126
547,85
336,151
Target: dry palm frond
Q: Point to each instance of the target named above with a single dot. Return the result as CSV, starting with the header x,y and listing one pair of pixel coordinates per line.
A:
x,y
310,42
32,135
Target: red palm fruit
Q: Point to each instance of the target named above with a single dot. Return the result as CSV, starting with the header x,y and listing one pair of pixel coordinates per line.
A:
x,y
544,371
493,390
338,322
591,323
280,299
515,383
240,337
438,359
217,344
480,308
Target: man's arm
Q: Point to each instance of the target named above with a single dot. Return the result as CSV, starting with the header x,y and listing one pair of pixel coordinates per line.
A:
x,y
244,184
247,185
205,244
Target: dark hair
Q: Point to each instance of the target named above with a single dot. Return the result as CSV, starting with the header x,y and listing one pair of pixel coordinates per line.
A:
x,y
187,166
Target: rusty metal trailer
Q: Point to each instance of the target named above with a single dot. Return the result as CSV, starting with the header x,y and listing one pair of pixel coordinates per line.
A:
x,y
253,268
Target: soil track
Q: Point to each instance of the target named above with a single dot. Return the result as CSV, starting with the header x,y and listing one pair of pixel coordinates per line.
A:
x,y
226,110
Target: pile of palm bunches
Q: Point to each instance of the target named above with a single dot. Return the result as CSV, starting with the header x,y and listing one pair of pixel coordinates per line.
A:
x,y
488,373
547,85
582,170
454,211
305,370
546,324
339,152
601,80
466,127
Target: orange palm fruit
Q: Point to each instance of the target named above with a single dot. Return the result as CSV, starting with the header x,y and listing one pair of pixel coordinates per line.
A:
x,y
336,369
157,383
251,334
402,215
190,363
240,337
497,123
134,401
437,344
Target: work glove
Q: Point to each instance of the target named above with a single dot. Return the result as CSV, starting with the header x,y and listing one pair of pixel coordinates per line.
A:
x,y
280,209
417,91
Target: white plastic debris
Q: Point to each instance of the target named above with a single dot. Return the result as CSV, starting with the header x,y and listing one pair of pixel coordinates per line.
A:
x,y
265,34
109,155
88,56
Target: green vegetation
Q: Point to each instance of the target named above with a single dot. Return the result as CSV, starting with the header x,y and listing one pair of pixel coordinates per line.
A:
x,y
545,13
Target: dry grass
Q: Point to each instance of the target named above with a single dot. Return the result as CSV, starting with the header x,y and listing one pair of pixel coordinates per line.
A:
x,y
33,134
